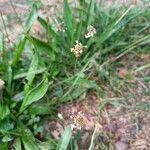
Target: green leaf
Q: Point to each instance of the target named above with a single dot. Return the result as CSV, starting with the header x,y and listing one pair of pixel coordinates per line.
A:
x,y
32,17
90,14
39,109
38,3
4,146
4,111
24,74
117,25
5,125
35,94
81,86
29,140
47,27
32,71
29,144
68,15
1,45
42,47
1,42
48,145
65,139
19,51
18,144
69,20
82,3
7,139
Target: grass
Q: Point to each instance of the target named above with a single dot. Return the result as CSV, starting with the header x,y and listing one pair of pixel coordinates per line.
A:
x,y
40,76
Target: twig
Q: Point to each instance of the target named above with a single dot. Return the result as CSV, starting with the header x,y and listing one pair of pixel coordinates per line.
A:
x,y
5,28
19,19
141,83
142,68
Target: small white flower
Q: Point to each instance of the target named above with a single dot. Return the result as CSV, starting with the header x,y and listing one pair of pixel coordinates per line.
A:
x,y
91,31
60,116
78,120
78,49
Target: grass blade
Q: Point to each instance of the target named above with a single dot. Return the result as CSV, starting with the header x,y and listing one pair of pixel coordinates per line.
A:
x,y
19,51
1,45
65,139
90,12
69,21
32,17
18,144
4,111
32,71
47,27
42,47
92,140
29,140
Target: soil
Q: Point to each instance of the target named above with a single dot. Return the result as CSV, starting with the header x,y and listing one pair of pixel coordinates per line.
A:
x,y
121,123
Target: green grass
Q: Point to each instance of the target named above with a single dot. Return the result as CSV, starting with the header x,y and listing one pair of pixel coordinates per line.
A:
x,y
50,74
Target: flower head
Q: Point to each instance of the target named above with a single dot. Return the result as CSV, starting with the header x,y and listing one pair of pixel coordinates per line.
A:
x,y
78,120
78,49
91,31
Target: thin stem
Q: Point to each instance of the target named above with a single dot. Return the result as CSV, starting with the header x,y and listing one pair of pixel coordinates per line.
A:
x,y
19,19
5,28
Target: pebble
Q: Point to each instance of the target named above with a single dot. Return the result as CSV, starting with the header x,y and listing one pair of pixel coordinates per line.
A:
x,y
121,145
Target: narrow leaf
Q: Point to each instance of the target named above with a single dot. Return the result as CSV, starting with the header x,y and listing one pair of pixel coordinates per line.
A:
x,y
90,13
65,139
19,51
43,47
35,94
18,144
46,26
29,141
69,20
48,145
32,71
4,111
32,17
92,139
1,45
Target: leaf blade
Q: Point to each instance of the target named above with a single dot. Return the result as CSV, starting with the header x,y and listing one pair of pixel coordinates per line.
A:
x,y
35,94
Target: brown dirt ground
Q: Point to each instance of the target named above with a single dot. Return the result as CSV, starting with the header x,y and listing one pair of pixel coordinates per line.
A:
x,y
120,127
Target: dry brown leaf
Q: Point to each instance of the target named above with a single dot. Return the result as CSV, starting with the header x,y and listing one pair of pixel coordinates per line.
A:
x,y
58,131
122,72
140,144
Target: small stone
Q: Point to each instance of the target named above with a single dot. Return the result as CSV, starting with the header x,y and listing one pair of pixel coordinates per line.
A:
x,y
112,127
121,145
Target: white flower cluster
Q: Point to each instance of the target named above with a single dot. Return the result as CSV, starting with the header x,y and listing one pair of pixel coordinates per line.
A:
x,y
91,31
78,49
78,121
